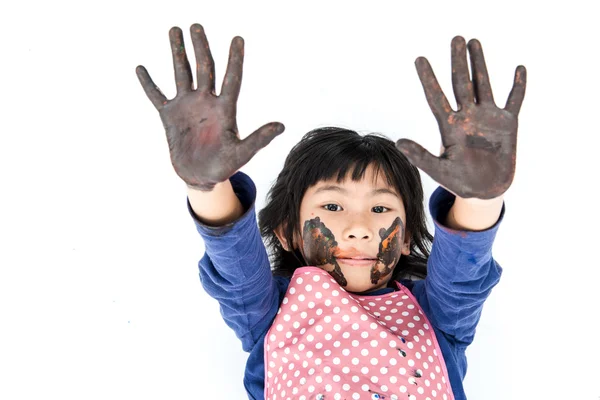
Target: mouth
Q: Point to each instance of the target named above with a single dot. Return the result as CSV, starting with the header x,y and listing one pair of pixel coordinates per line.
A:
x,y
357,261
354,257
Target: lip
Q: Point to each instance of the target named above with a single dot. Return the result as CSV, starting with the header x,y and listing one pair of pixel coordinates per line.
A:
x,y
357,262
352,254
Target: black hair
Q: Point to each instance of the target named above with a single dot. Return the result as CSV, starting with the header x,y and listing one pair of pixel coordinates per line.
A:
x,y
323,154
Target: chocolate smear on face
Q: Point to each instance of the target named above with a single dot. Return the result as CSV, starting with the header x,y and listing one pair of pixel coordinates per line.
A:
x,y
319,248
389,250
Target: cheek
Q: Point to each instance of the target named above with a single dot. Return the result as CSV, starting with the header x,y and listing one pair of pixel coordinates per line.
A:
x,y
392,239
390,251
318,242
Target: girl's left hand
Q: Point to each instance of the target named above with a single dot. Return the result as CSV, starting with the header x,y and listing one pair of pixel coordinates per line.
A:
x,y
479,140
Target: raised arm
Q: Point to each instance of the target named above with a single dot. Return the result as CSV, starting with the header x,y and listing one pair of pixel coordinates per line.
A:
x,y
476,166
206,152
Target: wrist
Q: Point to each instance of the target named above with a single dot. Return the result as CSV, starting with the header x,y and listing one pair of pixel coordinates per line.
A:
x,y
216,207
474,214
481,203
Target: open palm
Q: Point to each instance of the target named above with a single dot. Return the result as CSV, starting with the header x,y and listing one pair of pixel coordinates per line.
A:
x,y
201,127
479,140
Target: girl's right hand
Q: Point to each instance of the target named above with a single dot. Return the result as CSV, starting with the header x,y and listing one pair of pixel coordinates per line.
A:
x,y
201,127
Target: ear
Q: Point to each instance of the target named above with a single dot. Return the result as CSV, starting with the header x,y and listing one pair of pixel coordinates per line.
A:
x,y
281,237
406,245
279,232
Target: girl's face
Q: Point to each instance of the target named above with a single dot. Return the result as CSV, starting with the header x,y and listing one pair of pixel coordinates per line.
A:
x,y
354,230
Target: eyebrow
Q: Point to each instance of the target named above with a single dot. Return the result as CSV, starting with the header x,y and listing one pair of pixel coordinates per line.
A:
x,y
339,189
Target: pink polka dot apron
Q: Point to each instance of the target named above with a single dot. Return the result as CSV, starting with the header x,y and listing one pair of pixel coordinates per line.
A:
x,y
328,344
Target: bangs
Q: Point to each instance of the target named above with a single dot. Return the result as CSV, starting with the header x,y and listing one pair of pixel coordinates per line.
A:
x,y
340,154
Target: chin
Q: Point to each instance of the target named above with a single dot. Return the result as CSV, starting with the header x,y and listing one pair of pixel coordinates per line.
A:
x,y
362,283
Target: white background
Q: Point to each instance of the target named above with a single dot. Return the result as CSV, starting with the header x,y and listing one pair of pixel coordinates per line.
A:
x,y
99,289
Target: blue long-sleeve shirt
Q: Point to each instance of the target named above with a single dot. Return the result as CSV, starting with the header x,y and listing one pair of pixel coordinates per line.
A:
x,y
235,270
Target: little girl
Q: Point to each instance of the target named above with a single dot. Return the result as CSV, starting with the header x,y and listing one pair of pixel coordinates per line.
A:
x,y
336,314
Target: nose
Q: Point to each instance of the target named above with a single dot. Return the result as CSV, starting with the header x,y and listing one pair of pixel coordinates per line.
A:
x,y
357,229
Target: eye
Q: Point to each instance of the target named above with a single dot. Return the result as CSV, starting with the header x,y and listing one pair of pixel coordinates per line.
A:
x,y
332,207
380,209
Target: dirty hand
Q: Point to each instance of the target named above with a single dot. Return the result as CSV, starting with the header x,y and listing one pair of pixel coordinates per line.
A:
x,y
479,140
201,127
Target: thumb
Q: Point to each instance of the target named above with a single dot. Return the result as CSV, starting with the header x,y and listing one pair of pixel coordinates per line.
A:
x,y
258,139
417,155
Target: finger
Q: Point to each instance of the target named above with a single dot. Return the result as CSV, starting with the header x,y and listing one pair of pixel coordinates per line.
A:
x,y
257,140
463,88
152,91
233,76
433,92
183,74
420,157
205,65
481,79
515,98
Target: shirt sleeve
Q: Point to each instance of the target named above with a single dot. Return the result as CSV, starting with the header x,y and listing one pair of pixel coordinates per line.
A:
x,y
235,269
461,273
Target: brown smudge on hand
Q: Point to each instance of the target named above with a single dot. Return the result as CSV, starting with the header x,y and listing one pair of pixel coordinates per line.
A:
x,y
319,246
481,142
389,250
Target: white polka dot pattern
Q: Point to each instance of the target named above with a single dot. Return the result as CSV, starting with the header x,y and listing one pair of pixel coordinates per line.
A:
x,y
330,344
